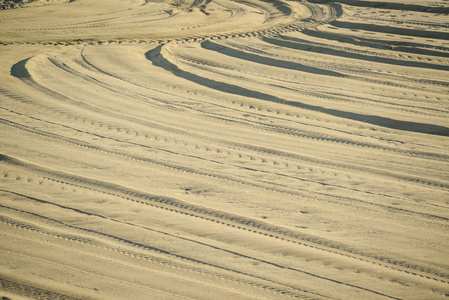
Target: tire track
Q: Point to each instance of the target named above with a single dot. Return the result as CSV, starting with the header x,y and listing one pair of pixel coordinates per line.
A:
x,y
321,138
295,43
396,6
260,125
317,18
303,191
391,29
48,262
17,4
199,243
159,57
344,71
31,291
228,219
376,43
363,132
293,158
263,261
169,258
424,111
410,179
284,130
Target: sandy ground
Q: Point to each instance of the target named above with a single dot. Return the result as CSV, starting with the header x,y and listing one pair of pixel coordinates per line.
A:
x,y
178,149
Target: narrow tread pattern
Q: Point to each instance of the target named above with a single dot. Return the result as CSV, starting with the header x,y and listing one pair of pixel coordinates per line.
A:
x,y
224,149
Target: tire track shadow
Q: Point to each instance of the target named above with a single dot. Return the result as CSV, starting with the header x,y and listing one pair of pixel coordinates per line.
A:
x,y
157,57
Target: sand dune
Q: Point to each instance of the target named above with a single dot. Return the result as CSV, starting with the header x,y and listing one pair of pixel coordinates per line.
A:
x,y
224,149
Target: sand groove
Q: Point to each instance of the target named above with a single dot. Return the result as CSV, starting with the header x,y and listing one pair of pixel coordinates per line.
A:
x,y
224,149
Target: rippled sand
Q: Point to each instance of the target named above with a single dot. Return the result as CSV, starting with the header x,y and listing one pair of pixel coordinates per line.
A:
x,y
224,149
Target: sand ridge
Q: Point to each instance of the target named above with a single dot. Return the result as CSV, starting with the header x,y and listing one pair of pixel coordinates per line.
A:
x,y
224,149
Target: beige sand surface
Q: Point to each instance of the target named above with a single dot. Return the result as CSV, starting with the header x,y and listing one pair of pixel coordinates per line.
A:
x,y
251,149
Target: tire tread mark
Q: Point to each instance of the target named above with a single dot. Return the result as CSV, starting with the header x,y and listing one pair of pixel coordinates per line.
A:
x,y
31,291
291,291
230,179
229,219
197,242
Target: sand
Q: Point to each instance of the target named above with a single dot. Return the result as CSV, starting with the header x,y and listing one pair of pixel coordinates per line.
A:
x,y
224,149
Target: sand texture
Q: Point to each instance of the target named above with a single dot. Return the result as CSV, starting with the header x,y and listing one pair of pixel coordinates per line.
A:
x,y
221,149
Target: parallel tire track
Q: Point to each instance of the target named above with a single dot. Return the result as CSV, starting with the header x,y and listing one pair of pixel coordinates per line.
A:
x,y
314,130
291,291
31,291
228,219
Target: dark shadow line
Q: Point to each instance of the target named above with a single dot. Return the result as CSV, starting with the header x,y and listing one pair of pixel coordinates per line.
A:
x,y
157,59
295,43
391,5
415,48
392,30
268,61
